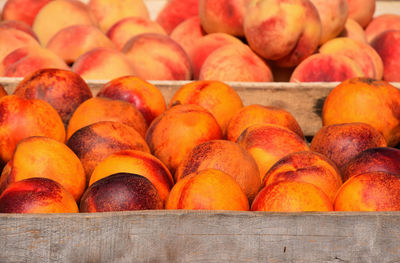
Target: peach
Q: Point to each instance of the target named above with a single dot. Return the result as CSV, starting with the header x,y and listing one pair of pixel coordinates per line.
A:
x,y
260,114
146,97
22,118
95,142
22,10
374,191
291,196
226,156
129,27
268,143
136,162
19,25
104,109
326,68
109,12
361,11
284,31
217,97
353,30
341,142
71,42
363,54
387,45
62,89
157,57
309,167
380,24
235,63
208,189
333,15
37,195
59,14
188,33
48,158
103,63
3,92
176,11
379,159
174,133
365,100
121,192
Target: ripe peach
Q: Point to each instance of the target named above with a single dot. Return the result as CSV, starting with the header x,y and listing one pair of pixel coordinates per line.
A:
x,y
95,142
173,134
365,100
309,167
3,92
341,142
121,192
379,159
104,109
260,114
326,68
380,24
268,143
387,45
62,14
374,191
37,195
291,196
361,11
71,42
208,189
188,33
22,118
48,158
353,30
103,63
129,27
146,97
176,11
19,25
217,97
286,31
226,156
235,62
136,162
109,12
62,89
158,57
22,10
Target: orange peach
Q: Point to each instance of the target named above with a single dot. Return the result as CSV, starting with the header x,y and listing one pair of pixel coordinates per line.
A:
x,y
173,134
208,189
103,63
71,42
268,143
361,11
326,68
380,24
3,92
59,14
188,33
353,30
121,192
291,196
48,158
109,12
226,156
62,89
176,11
286,31
235,62
136,162
260,114
19,25
95,142
309,167
217,97
129,27
37,195
365,100
22,10
146,97
341,142
374,191
22,118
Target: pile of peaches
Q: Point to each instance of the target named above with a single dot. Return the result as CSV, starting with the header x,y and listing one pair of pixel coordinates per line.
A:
x,y
64,150
225,40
